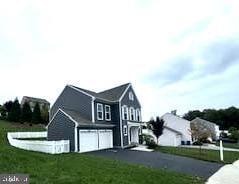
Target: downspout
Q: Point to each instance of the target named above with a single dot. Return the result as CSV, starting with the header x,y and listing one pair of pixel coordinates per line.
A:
x,y
93,110
76,138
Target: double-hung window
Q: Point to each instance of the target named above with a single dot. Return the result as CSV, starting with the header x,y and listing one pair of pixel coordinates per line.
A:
x,y
132,114
125,112
138,115
99,111
107,113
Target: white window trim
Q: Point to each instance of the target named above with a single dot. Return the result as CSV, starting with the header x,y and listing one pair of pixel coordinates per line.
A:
x,y
123,112
99,104
138,113
125,130
109,119
130,112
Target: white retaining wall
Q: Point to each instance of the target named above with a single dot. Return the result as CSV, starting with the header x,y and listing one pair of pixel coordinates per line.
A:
x,y
53,147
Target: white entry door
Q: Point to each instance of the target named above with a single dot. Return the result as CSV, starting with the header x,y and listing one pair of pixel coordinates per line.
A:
x,y
92,140
88,140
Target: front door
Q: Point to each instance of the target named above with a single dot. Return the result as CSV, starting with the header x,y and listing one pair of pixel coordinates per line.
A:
x,y
134,135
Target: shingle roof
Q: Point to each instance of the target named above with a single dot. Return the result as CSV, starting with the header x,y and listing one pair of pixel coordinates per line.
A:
x,y
112,94
33,99
83,122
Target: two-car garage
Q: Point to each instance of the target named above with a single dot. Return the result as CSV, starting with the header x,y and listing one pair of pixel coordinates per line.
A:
x,y
95,139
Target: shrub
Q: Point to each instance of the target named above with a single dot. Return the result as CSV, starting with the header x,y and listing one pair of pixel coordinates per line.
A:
x,y
149,141
206,141
147,138
151,144
198,143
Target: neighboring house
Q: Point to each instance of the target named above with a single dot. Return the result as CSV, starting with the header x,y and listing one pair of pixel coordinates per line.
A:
x,y
32,102
176,131
93,121
179,132
170,137
207,125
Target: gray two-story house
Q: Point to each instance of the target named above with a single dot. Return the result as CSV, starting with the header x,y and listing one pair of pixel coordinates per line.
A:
x,y
93,121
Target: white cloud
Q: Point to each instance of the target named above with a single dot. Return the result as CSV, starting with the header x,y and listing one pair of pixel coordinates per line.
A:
x,y
99,44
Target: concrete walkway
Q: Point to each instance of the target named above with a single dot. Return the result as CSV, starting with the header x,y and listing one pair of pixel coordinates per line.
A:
x,y
209,147
142,148
228,174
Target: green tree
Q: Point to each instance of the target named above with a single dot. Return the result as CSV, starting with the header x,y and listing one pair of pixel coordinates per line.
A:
x,y
157,127
26,113
36,115
234,133
8,105
15,112
45,114
3,112
193,114
225,118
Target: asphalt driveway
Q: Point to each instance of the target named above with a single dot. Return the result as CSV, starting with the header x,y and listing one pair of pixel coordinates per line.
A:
x,y
162,160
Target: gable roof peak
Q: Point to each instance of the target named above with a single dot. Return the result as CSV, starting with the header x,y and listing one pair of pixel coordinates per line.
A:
x,y
112,95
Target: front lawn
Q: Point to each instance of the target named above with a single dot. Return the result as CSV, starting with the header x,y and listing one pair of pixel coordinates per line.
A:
x,y
78,168
229,145
208,155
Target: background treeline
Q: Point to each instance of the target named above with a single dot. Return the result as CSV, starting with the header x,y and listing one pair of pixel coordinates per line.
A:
x,y
14,112
225,118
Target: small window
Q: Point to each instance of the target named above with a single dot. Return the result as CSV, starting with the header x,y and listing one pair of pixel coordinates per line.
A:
x,y
125,112
125,130
107,113
99,111
132,114
131,96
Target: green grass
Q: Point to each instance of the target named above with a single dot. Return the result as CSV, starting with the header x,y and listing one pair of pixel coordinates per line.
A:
x,y
208,155
78,168
229,145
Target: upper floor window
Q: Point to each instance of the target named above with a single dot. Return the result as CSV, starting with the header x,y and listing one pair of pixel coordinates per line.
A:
x,y
107,113
125,112
99,111
138,115
132,113
131,96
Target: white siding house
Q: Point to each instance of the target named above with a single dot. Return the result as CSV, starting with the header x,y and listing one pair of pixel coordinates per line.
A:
x,y
178,124
170,137
176,131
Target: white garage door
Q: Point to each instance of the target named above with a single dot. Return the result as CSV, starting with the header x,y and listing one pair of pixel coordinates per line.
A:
x,y
91,140
88,140
105,139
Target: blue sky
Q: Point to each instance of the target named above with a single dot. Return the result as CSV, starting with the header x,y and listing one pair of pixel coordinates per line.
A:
x,y
180,55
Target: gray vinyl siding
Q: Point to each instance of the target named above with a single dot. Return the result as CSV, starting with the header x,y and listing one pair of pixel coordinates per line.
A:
x,y
73,100
129,103
113,112
116,130
62,128
126,101
115,117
